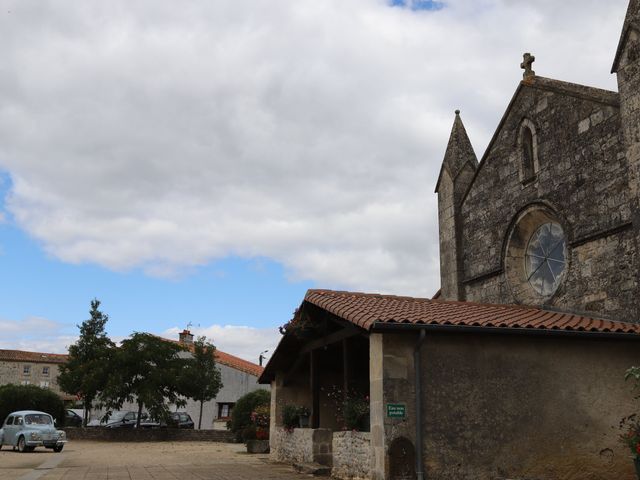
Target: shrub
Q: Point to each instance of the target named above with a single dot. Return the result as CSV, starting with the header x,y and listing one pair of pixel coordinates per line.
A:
x,y
290,416
30,397
241,413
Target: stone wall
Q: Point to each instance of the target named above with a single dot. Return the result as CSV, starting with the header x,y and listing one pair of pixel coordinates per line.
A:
x,y
513,406
351,455
301,445
148,435
14,372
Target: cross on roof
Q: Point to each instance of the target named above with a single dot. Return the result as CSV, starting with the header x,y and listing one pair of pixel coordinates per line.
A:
x,y
526,64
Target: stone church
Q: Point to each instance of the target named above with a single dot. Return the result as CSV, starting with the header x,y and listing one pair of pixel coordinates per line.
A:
x,y
516,369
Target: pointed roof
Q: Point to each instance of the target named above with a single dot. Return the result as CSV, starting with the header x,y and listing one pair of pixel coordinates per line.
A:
x,y
631,22
459,151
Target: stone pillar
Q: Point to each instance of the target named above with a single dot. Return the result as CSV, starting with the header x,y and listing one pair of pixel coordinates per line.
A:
x,y
376,396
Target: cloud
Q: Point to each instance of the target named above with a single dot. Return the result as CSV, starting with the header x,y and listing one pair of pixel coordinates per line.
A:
x,y
156,136
243,342
35,334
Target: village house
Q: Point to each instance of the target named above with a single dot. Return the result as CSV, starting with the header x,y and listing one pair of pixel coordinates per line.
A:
x,y
516,369
239,377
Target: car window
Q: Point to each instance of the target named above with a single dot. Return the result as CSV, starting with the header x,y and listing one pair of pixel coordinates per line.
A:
x,y
130,416
37,419
17,421
184,417
9,420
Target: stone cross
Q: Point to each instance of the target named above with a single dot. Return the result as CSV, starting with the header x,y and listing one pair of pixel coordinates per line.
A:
x,y
526,65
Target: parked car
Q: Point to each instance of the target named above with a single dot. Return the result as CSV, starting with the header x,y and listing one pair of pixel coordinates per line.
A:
x,y
118,419
176,420
28,429
72,419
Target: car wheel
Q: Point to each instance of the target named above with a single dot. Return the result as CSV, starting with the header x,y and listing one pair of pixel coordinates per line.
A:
x,y
58,448
22,445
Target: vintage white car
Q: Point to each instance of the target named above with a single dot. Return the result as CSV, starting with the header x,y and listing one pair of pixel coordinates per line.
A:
x,y
28,429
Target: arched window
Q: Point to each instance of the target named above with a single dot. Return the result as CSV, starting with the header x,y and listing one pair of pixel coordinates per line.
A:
x,y
528,151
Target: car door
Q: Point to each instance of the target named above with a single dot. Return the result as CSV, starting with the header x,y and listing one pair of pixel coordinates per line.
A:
x,y
18,426
8,431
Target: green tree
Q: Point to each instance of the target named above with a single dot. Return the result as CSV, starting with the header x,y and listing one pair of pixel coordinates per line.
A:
x,y
201,377
146,370
87,369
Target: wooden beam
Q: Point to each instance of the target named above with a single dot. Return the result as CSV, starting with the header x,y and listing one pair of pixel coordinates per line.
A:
x,y
332,338
345,368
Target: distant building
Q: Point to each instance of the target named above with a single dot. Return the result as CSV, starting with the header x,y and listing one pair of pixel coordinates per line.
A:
x,y
32,368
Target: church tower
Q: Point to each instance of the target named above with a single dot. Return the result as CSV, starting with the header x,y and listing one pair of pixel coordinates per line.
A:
x,y
457,171
626,66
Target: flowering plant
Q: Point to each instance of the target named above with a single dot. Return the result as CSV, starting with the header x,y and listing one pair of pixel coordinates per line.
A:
x,y
352,408
631,434
260,418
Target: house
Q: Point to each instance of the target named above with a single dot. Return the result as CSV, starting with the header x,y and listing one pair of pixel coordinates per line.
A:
x,y
32,368
516,369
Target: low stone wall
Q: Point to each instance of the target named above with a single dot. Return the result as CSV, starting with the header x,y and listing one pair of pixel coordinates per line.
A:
x,y
302,445
351,455
148,435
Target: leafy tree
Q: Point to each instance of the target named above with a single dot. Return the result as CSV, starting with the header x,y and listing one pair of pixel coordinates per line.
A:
x,y
241,413
201,377
86,372
146,370
30,397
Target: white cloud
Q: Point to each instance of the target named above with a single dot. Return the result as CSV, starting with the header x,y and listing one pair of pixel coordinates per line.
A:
x,y
243,342
35,334
163,136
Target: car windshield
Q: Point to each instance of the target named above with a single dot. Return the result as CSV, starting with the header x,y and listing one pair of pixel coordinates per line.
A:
x,y
37,419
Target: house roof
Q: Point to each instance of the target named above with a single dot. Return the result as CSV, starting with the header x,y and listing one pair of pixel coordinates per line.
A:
x,y
369,310
36,357
229,360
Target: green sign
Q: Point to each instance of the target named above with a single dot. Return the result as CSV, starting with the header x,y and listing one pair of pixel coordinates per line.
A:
x,y
396,410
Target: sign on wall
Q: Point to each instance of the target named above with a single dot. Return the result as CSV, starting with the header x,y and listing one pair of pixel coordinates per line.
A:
x,y
396,410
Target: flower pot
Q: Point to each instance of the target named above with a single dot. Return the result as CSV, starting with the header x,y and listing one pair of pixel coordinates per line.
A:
x,y
257,446
303,421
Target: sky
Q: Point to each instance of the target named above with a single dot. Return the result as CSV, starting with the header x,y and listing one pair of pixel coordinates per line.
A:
x,y
202,164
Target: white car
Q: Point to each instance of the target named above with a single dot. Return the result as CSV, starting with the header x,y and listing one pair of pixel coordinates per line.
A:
x,y
28,429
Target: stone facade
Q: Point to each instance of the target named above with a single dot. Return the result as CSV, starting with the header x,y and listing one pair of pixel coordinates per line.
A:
x,y
31,368
582,175
351,455
301,445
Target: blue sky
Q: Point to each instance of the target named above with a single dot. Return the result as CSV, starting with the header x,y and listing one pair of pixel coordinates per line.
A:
x,y
208,165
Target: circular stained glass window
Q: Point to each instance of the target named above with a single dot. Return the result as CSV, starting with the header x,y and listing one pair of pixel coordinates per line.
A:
x,y
545,258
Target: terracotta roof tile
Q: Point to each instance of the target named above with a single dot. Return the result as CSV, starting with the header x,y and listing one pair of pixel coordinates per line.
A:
x,y
22,356
365,310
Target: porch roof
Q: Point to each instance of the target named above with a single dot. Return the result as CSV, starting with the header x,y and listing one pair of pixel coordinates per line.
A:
x,y
368,310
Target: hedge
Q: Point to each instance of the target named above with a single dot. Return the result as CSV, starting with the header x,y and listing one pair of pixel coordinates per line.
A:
x,y
30,397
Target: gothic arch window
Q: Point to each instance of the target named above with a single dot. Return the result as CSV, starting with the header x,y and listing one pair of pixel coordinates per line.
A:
x,y
528,151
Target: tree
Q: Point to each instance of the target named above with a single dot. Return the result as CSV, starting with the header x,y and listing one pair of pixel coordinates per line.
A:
x,y
87,369
201,377
146,370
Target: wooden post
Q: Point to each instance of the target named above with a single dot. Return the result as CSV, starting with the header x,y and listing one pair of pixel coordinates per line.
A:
x,y
315,389
345,368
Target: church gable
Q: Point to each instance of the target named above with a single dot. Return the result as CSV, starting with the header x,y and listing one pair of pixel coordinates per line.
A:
x,y
557,157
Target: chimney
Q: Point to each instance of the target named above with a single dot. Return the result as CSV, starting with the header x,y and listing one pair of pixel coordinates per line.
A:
x,y
186,337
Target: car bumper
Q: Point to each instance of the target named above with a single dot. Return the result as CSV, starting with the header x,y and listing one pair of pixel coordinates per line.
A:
x,y
45,443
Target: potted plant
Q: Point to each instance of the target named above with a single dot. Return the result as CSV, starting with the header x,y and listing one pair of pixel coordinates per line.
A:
x,y
356,412
303,416
290,417
257,438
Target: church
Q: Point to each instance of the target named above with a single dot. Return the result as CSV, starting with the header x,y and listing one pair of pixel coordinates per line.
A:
x,y
515,370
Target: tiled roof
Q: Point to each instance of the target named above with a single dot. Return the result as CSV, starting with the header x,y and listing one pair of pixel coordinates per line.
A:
x,y
22,356
229,360
365,310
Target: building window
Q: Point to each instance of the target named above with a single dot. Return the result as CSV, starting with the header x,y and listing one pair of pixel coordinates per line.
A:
x,y
26,370
25,382
224,410
527,144
44,384
545,258
45,371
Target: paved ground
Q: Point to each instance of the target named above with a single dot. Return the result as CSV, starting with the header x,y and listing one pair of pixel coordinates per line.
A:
x,y
83,460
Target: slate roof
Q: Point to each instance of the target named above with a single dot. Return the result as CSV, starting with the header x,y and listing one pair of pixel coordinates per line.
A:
x,y
34,357
367,310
